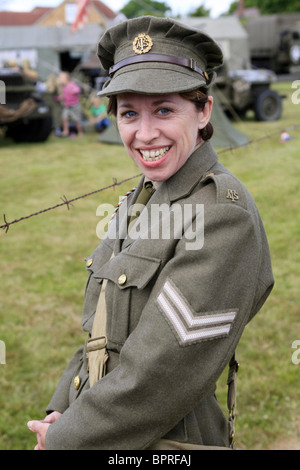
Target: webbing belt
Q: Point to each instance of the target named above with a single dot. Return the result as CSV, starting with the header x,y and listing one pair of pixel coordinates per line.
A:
x,y
96,346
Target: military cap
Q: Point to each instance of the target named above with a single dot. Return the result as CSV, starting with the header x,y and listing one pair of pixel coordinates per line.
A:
x,y
154,55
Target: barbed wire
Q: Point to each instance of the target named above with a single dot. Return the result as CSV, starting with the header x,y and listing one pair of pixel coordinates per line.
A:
x,y
69,202
258,139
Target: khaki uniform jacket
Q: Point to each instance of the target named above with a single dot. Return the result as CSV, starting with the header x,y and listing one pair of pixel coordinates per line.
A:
x,y
174,323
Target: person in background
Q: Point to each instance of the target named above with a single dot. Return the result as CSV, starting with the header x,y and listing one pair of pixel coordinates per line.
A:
x,y
69,98
99,113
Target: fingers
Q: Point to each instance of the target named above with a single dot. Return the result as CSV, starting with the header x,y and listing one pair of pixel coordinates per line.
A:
x,y
40,428
35,426
52,417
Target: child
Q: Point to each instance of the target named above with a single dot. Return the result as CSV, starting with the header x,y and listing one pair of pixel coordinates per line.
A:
x,y
99,113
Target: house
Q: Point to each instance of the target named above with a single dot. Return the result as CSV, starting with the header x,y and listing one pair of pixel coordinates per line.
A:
x,y
63,14
44,38
22,18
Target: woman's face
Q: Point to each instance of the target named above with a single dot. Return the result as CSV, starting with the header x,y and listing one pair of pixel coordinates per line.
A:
x,y
160,132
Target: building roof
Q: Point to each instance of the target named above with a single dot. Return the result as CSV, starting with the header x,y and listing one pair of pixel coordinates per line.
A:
x,y
22,18
103,9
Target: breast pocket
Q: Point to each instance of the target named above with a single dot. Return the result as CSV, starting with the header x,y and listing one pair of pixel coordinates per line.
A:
x,y
130,280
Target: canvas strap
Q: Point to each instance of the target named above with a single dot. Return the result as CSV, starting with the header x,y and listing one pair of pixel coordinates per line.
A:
x,y
231,396
97,354
96,346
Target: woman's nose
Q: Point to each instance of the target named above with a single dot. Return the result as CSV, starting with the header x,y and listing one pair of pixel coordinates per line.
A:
x,y
147,129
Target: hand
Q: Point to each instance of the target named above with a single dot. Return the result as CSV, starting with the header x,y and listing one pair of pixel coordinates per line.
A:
x,y
41,427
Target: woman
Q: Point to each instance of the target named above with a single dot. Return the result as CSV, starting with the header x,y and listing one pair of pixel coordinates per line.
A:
x,y
182,277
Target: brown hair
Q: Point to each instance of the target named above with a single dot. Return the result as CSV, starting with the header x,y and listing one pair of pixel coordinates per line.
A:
x,y
198,97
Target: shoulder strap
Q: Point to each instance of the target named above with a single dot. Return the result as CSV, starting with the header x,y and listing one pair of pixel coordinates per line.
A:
x,y
229,189
231,396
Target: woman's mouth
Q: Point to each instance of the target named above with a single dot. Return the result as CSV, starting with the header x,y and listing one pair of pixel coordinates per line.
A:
x,y
154,155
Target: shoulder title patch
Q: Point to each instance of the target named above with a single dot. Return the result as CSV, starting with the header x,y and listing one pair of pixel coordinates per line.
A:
x,y
232,194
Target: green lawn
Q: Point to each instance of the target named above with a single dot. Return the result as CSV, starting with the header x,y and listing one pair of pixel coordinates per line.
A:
x,y
43,274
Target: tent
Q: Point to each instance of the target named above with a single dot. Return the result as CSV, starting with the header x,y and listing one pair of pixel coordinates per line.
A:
x,y
225,134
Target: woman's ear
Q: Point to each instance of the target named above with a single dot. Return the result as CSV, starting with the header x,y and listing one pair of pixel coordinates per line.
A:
x,y
205,114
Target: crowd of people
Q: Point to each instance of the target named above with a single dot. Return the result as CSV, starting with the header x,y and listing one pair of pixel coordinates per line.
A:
x,y
73,119
71,116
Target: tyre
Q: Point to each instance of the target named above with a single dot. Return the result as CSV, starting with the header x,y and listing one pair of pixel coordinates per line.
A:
x,y
268,106
35,130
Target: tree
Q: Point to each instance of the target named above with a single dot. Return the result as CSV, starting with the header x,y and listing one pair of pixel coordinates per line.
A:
x,y
136,8
200,11
268,7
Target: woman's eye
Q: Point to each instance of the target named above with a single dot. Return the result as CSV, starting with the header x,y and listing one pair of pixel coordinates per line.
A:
x,y
129,114
164,111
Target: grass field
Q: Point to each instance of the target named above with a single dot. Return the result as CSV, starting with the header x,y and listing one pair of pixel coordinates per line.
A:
x,y
43,274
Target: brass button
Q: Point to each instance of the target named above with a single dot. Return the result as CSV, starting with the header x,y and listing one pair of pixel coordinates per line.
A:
x,y
122,279
89,263
77,382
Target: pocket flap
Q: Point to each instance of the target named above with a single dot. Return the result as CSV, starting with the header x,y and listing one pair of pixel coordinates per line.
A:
x,y
127,270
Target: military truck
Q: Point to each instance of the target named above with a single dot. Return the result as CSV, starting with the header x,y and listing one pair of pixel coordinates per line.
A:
x,y
248,89
274,41
24,114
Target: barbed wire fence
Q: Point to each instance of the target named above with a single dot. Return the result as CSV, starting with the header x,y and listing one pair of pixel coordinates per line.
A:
x,y
69,202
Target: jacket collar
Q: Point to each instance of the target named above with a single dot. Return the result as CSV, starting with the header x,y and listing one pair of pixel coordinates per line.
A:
x,y
179,186
200,162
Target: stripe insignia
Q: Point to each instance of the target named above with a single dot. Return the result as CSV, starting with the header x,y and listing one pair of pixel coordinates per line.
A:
x,y
188,326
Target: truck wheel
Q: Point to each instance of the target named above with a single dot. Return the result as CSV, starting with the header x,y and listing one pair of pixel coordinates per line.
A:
x,y
268,106
35,130
295,54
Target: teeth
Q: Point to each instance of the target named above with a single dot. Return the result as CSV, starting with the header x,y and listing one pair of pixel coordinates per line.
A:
x,y
152,155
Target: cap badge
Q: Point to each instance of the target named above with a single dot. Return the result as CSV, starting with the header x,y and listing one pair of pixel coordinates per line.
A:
x,y
142,44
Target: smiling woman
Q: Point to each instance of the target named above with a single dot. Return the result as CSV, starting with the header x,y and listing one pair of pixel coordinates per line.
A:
x,y
163,315
160,133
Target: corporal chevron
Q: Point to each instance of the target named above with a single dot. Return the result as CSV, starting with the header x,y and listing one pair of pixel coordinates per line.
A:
x,y
188,326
